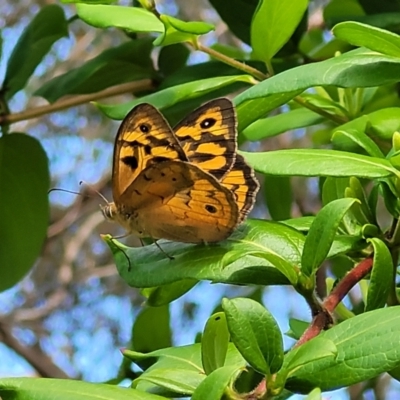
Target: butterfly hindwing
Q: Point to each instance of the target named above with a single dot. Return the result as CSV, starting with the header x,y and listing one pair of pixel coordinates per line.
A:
x,y
186,205
208,136
144,137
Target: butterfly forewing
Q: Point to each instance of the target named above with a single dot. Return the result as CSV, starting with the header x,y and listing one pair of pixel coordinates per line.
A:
x,y
143,138
208,136
243,184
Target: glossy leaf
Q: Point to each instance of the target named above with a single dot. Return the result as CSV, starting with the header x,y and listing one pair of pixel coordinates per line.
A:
x,y
125,63
354,69
214,385
322,233
365,349
24,208
214,343
48,26
177,31
273,24
172,95
66,389
368,36
244,258
133,19
381,276
255,333
281,123
319,163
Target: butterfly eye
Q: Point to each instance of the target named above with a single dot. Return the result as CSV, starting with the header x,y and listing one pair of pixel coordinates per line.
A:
x,y
145,128
207,123
211,209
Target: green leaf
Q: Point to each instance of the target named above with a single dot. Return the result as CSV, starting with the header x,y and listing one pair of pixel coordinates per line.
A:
x,y
172,95
237,14
322,233
353,140
368,36
279,202
381,276
151,330
315,394
317,349
177,368
255,333
214,386
66,389
365,349
214,343
133,19
273,24
297,328
172,58
24,208
281,123
48,26
177,31
161,295
354,69
319,163
244,258
125,63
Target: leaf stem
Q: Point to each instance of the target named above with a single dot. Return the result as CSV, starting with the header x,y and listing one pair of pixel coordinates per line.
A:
x,y
230,61
131,87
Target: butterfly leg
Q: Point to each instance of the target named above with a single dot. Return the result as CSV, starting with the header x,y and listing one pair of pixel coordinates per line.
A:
x,y
163,251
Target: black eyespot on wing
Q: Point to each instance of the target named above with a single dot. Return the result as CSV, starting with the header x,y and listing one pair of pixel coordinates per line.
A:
x,y
145,128
131,162
207,123
147,149
210,208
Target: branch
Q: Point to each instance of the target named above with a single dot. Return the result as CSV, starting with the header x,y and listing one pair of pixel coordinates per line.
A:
x,y
323,319
34,355
131,87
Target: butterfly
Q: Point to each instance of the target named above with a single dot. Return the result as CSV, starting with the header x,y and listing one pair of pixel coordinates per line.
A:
x,y
186,184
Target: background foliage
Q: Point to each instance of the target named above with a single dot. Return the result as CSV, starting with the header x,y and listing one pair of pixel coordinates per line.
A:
x,y
315,86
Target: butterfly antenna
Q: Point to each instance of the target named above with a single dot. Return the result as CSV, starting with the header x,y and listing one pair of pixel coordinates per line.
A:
x,y
64,190
94,190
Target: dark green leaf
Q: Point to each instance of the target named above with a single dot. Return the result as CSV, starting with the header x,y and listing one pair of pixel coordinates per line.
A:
x,y
161,295
273,24
214,343
381,276
66,389
237,14
255,333
172,58
279,197
24,207
322,233
244,258
126,63
48,26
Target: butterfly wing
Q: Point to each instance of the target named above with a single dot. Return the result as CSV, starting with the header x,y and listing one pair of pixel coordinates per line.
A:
x,y
143,138
208,136
181,202
240,180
